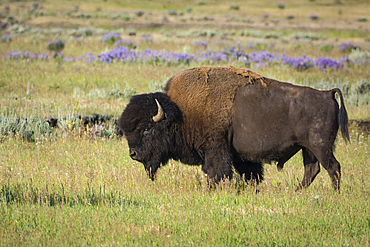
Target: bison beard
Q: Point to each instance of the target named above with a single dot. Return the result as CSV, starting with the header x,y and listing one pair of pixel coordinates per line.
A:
x,y
222,118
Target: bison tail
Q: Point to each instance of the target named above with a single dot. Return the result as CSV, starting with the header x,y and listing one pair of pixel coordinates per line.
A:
x,y
342,116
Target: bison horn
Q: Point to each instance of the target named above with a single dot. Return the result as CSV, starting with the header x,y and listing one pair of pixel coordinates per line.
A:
x,y
160,115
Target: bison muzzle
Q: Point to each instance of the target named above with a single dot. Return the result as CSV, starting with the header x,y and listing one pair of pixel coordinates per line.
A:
x,y
220,118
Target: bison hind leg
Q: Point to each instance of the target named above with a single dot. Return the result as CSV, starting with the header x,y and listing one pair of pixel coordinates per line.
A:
x,y
332,166
311,168
252,171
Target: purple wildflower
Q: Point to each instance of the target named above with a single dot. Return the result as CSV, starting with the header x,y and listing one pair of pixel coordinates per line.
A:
x,y
146,39
299,63
129,43
16,55
347,47
325,63
6,38
251,45
111,38
202,43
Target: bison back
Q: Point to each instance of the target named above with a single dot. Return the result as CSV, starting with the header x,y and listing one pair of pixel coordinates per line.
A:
x,y
266,126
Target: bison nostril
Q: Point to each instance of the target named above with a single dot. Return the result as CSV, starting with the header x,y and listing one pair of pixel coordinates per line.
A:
x,y
133,154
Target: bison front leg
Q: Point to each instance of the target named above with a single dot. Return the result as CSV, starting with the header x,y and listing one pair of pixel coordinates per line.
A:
x,y
217,165
251,171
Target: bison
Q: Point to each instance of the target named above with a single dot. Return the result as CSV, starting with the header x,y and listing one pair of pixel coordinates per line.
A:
x,y
224,117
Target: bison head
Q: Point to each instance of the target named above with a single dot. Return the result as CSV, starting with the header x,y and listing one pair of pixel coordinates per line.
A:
x,y
150,123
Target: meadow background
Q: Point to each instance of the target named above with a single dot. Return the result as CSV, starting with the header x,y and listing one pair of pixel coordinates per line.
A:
x,y
74,183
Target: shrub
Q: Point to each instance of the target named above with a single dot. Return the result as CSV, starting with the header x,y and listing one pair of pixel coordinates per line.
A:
x,y
314,17
113,93
281,5
29,129
56,45
359,56
125,16
289,17
35,5
88,32
50,13
363,87
359,93
172,12
248,20
10,18
233,18
361,19
307,36
139,13
189,9
158,85
200,2
234,7
131,32
326,47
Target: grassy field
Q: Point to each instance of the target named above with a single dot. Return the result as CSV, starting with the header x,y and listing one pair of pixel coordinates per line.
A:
x,y
77,186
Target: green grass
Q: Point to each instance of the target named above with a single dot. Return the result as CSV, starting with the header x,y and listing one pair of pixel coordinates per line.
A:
x,y
71,187
78,191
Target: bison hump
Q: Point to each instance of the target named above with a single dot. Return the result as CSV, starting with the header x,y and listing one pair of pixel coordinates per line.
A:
x,y
205,95
248,73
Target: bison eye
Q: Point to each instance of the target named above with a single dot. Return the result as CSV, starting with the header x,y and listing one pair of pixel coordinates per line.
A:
x,y
147,131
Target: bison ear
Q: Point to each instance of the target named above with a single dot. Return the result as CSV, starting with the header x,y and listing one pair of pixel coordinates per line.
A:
x,y
160,114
